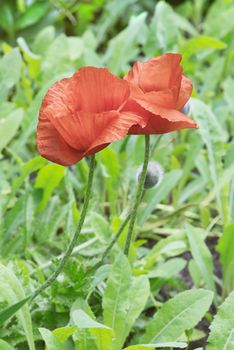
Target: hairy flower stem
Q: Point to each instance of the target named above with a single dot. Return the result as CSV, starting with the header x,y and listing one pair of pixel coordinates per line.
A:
x,y
73,242
139,193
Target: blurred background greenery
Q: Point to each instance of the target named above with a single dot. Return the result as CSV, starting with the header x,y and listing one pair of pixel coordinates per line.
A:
x,y
43,41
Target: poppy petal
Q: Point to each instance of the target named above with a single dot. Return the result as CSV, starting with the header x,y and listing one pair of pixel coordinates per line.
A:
x,y
158,125
159,73
185,92
53,147
99,90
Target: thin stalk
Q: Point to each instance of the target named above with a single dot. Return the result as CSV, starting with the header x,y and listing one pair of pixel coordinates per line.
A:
x,y
73,242
113,241
139,193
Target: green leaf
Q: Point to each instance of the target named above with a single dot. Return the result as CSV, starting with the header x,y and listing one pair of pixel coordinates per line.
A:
x,y
201,43
9,127
115,299
52,342
177,315
82,320
5,346
138,294
32,15
226,250
64,333
10,311
168,269
124,46
101,227
219,21
12,291
102,333
168,183
10,66
201,255
222,328
48,179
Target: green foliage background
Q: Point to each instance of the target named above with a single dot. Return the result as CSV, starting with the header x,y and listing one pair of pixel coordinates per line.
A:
x,y
184,233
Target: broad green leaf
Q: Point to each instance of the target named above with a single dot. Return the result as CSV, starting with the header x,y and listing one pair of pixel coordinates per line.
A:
x,y
201,43
226,250
48,179
168,269
101,227
12,291
161,192
84,338
82,320
64,333
219,20
76,47
32,15
10,65
222,328
52,342
116,298
43,40
5,346
201,255
124,47
102,333
177,315
138,294
9,127
163,30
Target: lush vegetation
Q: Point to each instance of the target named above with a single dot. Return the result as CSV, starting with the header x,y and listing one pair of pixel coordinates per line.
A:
x,y
175,290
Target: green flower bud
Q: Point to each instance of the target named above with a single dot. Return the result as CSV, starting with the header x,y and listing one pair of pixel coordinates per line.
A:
x,y
154,174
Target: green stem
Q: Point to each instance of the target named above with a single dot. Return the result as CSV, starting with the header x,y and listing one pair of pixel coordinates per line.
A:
x,y
113,241
138,195
73,242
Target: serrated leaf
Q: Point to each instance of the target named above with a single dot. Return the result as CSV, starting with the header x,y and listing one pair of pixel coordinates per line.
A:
x,y
177,315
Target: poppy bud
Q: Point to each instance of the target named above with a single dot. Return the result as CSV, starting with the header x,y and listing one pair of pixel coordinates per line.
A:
x,y
154,174
186,109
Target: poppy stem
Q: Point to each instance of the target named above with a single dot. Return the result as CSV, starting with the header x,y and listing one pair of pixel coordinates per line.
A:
x,y
73,242
139,193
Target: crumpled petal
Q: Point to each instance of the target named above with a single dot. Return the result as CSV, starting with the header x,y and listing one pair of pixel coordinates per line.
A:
x,y
99,90
161,90
157,74
185,92
52,146
82,115
158,125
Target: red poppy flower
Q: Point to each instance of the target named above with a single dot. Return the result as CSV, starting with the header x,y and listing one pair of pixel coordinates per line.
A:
x,y
159,91
83,114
